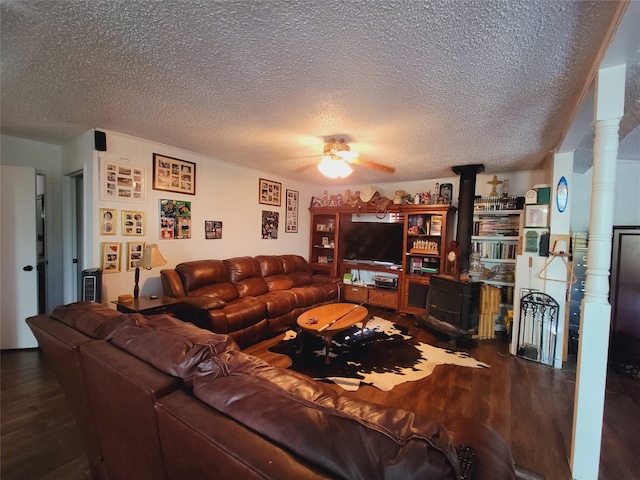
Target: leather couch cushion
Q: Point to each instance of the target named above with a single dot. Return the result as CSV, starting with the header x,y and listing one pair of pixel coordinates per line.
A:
x,y
270,265
300,279
246,276
278,282
325,291
240,268
297,269
351,438
204,303
305,296
94,319
279,302
251,287
171,345
295,263
217,291
199,275
244,312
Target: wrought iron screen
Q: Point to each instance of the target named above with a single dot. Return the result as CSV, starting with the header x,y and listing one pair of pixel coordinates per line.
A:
x,y
538,327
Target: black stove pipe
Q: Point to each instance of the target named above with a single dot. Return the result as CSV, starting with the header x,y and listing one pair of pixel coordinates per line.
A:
x,y
466,195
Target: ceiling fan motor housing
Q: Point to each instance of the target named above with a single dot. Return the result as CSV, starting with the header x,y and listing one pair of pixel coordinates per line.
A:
x,y
335,145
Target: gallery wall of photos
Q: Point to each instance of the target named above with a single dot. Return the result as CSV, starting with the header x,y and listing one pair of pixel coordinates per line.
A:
x,y
125,181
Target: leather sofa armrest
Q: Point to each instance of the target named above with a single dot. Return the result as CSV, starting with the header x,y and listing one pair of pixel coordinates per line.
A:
x,y
171,283
326,279
204,303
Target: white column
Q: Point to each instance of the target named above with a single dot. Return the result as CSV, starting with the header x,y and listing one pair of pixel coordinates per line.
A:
x,y
596,310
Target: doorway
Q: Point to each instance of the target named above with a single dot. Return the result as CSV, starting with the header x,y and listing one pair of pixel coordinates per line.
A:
x,y
41,228
625,296
77,238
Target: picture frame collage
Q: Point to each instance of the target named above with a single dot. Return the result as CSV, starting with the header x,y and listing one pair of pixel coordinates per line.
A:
x,y
111,256
174,175
133,222
122,182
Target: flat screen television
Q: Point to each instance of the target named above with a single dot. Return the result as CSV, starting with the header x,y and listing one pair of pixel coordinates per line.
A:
x,y
381,242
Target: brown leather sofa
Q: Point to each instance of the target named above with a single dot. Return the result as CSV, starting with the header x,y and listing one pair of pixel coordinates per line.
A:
x,y
159,398
249,298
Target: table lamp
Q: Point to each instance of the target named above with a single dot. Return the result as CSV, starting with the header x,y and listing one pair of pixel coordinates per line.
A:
x,y
151,257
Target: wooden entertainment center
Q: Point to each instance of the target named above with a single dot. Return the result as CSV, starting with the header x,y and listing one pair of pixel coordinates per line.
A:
x,y
427,230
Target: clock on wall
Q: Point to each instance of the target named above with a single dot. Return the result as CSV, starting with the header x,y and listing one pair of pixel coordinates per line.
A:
x,y
451,259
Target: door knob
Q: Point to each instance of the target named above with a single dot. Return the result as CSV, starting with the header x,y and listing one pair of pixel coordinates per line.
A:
x,y
28,268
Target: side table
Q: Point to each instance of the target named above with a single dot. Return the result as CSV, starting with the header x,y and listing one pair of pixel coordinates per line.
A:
x,y
148,306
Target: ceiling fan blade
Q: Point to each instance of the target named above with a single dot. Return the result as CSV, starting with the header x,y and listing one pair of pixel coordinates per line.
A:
x,y
305,167
373,165
305,157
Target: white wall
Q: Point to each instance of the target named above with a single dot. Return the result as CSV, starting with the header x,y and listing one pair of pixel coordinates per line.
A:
x,y
46,159
626,197
627,193
224,192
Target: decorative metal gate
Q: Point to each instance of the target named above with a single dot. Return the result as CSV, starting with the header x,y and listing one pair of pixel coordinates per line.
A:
x,y
538,327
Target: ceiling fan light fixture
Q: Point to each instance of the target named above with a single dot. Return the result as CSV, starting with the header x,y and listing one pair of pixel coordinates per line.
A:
x,y
335,145
333,167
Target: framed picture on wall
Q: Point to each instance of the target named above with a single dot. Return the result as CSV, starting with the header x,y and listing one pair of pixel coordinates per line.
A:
x,y
292,211
134,254
536,216
175,219
108,221
133,223
212,230
111,253
269,192
173,175
270,222
122,182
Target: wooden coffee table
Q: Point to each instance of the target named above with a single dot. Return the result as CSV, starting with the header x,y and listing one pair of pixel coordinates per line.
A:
x,y
327,320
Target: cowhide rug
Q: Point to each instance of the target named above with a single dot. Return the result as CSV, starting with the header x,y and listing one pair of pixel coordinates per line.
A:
x,y
384,356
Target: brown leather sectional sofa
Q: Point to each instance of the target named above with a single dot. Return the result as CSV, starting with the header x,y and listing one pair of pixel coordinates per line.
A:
x,y
158,398
249,298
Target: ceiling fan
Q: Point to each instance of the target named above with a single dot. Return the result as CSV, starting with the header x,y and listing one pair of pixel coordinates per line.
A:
x,y
337,156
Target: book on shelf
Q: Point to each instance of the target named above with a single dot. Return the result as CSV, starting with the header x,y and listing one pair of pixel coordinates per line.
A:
x,y
495,249
496,225
436,225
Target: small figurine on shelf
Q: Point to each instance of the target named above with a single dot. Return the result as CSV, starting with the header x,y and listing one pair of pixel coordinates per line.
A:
x,y
325,199
504,198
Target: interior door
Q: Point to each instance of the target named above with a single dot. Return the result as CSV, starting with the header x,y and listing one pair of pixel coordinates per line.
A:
x,y
625,296
18,256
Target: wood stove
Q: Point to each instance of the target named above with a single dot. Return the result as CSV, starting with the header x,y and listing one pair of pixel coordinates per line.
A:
x,y
453,306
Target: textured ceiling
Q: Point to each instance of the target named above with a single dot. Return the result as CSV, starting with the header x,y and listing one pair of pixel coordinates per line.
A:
x,y
417,85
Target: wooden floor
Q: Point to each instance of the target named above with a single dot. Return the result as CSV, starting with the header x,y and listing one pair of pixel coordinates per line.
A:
x,y
529,404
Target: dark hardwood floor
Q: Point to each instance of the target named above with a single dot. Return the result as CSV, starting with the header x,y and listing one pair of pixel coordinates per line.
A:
x,y
530,404
40,439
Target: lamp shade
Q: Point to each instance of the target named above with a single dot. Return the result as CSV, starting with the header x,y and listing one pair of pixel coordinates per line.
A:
x,y
333,167
151,257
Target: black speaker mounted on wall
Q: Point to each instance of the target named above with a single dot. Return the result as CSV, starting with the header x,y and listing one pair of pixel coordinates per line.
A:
x,y
100,140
